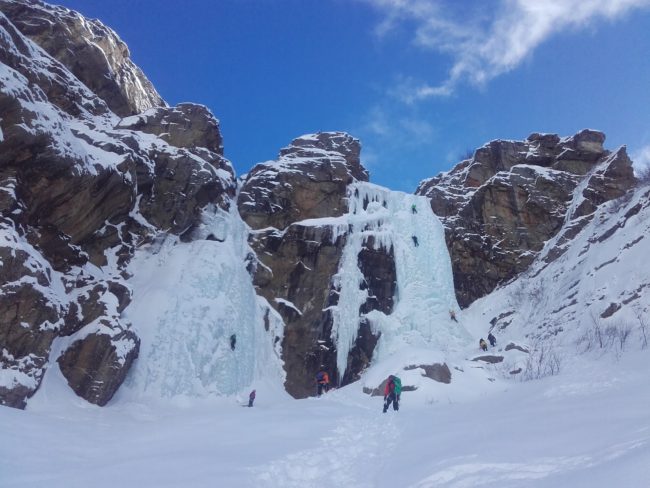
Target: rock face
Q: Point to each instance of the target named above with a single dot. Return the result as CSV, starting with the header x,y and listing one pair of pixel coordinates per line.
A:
x,y
297,256
503,204
307,182
96,365
89,50
79,186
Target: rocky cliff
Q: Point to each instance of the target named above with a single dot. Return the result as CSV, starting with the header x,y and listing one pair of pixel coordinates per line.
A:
x,y
297,254
500,206
92,52
80,190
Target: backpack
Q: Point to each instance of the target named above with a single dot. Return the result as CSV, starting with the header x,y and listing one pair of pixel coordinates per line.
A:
x,y
397,385
320,376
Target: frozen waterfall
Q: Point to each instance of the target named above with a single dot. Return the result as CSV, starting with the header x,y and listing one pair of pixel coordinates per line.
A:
x,y
199,319
425,288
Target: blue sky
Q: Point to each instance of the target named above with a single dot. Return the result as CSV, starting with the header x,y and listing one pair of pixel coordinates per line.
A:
x,y
420,82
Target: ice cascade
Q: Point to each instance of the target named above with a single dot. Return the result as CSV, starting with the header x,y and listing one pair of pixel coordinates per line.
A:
x,y
425,288
199,319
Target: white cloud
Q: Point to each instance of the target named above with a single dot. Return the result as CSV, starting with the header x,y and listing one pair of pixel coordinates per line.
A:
x,y
397,129
486,45
641,158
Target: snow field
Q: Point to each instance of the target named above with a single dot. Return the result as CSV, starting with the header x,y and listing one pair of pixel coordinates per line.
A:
x,y
588,427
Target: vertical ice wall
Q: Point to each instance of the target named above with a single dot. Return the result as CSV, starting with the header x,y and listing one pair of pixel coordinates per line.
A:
x,y
198,316
425,288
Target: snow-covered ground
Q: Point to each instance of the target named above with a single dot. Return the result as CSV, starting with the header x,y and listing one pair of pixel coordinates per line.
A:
x,y
587,427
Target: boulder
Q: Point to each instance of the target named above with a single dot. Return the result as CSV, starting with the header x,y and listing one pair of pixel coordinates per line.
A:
x,y
489,358
511,345
379,391
436,371
96,365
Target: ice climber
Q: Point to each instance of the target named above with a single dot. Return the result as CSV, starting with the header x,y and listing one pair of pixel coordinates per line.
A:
x,y
233,341
482,344
414,209
251,398
452,315
392,392
415,241
323,382
492,339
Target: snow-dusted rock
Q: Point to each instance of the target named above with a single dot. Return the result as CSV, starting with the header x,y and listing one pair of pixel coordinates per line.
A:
x,y
89,50
503,204
587,287
96,365
186,125
299,256
307,181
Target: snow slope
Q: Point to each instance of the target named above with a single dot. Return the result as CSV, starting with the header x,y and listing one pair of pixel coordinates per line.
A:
x,y
581,295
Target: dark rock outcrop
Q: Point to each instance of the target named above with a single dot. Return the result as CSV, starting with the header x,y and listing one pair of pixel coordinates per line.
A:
x,y
503,204
96,365
293,273
377,265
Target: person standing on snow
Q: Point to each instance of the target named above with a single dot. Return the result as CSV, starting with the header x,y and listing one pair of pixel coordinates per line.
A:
x,y
482,344
492,339
251,398
392,392
323,381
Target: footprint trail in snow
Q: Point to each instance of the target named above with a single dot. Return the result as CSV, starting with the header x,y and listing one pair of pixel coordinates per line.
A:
x,y
351,455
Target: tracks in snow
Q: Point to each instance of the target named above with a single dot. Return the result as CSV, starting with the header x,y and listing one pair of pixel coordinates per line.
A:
x,y
351,454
